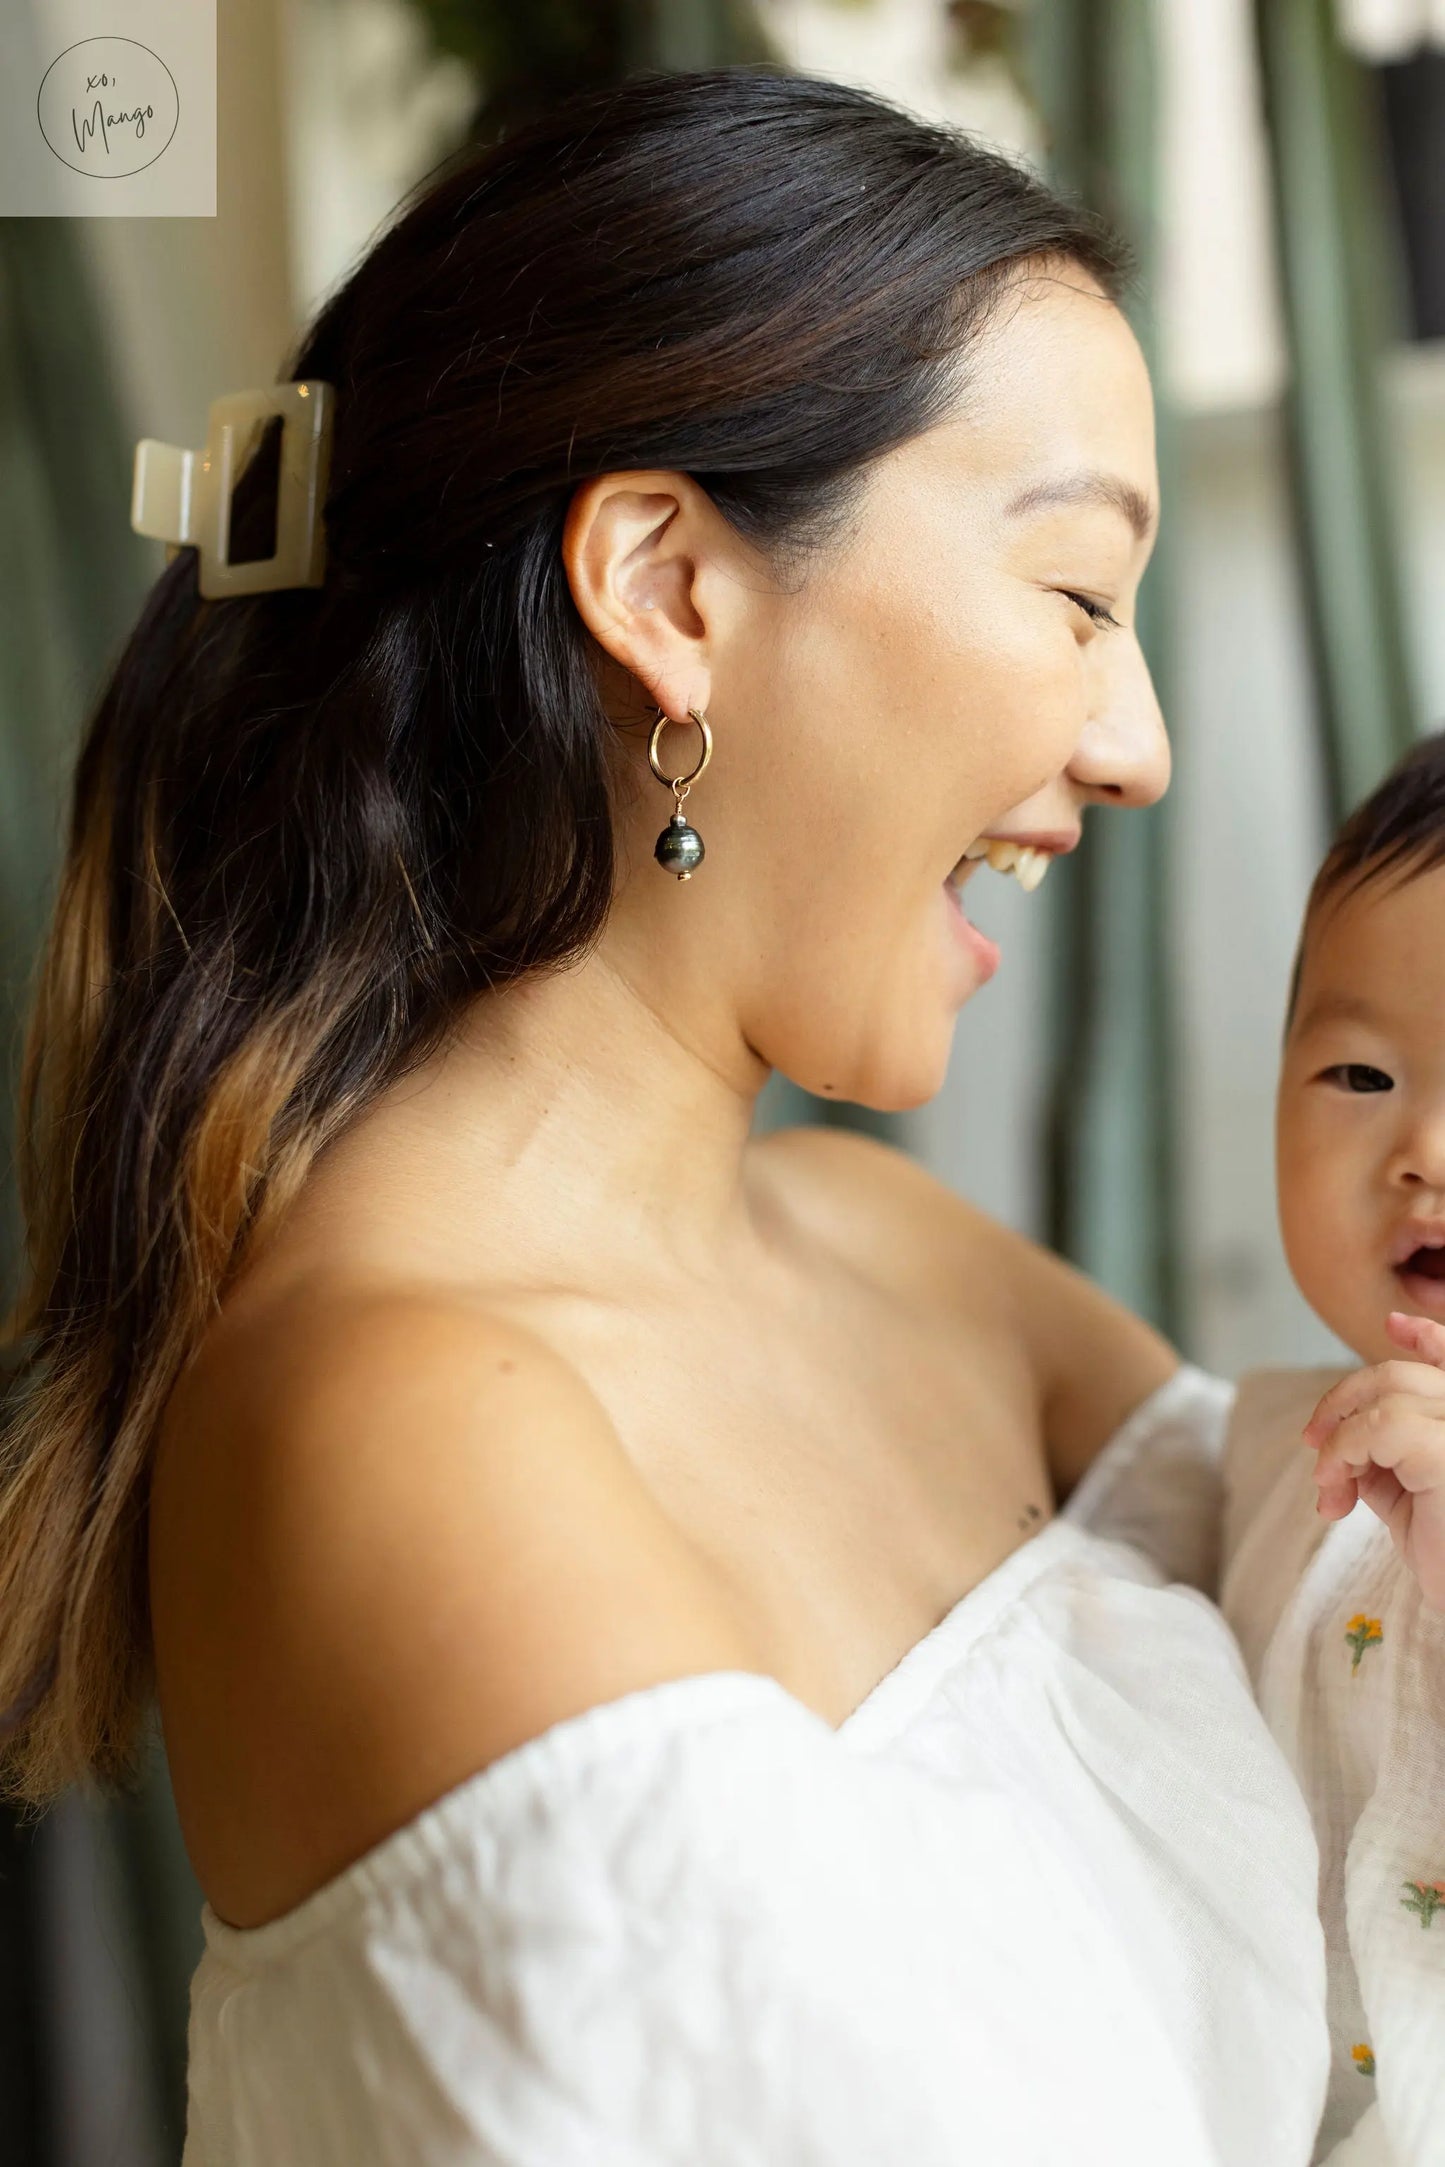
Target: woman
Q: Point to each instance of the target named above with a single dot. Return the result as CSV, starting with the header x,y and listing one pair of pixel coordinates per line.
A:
x,y
627,1689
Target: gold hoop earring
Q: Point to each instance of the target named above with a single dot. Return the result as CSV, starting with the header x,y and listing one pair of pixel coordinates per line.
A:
x,y
679,847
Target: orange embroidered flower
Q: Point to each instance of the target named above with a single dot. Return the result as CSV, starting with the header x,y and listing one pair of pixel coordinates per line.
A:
x,y
1364,2059
1362,1633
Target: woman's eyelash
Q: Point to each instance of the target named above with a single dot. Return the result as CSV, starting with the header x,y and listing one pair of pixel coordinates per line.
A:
x,y
1094,611
1357,1076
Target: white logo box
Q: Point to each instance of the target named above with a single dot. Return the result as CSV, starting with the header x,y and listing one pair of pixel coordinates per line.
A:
x,y
108,109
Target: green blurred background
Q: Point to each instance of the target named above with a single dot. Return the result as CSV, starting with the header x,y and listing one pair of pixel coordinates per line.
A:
x,y
1280,169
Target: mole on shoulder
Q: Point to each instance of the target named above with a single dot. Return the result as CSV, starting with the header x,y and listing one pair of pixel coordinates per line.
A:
x,y
508,1363
1028,1516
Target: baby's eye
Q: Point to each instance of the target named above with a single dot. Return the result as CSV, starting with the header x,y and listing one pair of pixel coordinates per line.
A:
x,y
1357,1076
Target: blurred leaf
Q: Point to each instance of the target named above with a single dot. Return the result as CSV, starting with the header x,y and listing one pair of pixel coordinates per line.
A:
x,y
979,30
986,30
527,59
71,576
1337,246
1112,1142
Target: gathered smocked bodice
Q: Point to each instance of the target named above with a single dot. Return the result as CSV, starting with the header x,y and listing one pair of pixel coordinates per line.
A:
x,y
1047,1895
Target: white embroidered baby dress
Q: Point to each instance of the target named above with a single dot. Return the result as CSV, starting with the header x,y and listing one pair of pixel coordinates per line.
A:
x,y
1349,1666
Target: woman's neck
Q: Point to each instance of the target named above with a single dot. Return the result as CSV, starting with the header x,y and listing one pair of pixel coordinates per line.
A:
x,y
570,1131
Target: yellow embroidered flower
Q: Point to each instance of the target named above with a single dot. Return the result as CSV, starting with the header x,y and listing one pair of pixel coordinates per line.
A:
x,y
1362,1633
1363,2059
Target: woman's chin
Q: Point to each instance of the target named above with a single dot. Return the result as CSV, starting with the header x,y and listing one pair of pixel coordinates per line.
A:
x,y
909,1068
902,1060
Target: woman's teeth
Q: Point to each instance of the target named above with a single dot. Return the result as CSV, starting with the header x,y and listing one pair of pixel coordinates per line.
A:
x,y
1027,865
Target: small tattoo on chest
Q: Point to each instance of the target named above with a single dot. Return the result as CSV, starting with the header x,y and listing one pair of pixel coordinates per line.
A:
x,y
1028,1516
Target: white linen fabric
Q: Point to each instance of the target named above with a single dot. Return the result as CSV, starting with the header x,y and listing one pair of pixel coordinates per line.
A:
x,y
1046,1896
1349,1667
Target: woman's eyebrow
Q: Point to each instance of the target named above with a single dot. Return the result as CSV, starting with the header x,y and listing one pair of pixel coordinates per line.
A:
x,y
1108,489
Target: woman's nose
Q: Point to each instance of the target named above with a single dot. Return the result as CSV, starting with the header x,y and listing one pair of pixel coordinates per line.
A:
x,y
1123,755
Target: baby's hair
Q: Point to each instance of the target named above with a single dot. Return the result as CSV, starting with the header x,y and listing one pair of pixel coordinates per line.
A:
x,y
1399,828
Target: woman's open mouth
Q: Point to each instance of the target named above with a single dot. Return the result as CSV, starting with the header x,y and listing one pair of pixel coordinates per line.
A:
x,y
984,953
1027,862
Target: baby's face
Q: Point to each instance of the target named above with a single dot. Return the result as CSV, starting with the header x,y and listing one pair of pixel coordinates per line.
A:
x,y
1360,1118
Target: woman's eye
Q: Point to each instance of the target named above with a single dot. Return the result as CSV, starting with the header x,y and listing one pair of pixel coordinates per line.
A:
x,y
1094,611
1357,1076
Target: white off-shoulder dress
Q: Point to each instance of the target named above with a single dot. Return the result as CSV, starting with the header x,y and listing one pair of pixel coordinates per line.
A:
x,y
1047,1896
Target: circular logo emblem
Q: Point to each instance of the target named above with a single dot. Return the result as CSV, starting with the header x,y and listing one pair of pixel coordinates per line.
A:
x,y
108,107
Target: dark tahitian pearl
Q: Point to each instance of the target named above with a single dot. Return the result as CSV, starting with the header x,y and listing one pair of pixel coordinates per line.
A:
x,y
679,848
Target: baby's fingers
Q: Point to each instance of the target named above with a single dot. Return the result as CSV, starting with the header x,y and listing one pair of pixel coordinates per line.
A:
x,y
1424,1336
1386,1496
1391,1432
1418,1381
1338,1498
1336,1480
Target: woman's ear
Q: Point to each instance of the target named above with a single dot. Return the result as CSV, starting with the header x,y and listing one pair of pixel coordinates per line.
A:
x,y
632,548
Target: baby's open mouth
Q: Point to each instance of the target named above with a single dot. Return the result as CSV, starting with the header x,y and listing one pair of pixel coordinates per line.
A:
x,y
1417,1257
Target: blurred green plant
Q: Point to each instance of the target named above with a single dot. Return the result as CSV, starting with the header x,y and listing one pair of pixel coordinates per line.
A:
x,y
526,59
985,30
71,578
1342,284
1112,1150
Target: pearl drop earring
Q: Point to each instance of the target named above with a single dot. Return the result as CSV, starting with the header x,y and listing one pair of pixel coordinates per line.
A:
x,y
679,848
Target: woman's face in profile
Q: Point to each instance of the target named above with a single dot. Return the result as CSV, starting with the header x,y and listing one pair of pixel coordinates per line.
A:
x,y
963,662
959,662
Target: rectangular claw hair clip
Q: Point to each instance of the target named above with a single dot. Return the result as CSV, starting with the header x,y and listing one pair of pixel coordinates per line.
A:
x,y
184,497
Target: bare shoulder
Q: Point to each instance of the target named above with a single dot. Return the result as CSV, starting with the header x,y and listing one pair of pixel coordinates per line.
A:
x,y
1094,1359
850,1188
392,1537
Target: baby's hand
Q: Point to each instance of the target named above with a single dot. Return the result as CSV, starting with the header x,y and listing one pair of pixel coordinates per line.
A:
x,y
1380,1436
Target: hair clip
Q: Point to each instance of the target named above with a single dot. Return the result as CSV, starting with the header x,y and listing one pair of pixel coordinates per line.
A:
x,y
184,497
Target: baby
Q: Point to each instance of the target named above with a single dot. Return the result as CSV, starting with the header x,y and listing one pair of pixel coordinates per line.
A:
x,y
1341,1612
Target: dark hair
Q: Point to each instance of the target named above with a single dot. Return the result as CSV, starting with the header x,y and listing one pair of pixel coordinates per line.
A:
x,y
1398,829
308,826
